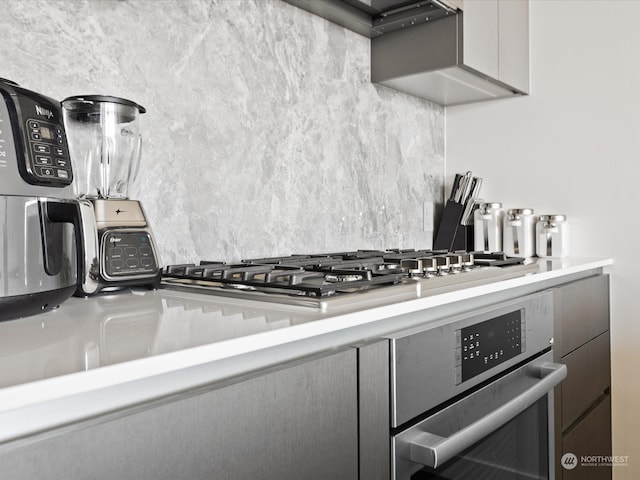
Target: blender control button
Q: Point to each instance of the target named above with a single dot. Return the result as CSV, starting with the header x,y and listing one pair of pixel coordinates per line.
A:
x,y
34,125
36,136
63,174
146,262
115,252
40,160
59,151
130,251
132,262
117,263
40,148
61,162
146,251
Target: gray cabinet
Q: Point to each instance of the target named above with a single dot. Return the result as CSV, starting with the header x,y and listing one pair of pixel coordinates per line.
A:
x,y
298,421
496,40
583,401
513,44
479,54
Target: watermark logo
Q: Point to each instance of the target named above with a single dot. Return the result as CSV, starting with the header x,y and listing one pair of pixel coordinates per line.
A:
x,y
569,461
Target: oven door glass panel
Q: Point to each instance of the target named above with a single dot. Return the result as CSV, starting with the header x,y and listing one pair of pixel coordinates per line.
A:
x,y
519,450
501,430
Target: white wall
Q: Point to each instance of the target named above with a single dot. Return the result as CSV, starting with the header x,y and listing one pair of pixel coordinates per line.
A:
x,y
573,147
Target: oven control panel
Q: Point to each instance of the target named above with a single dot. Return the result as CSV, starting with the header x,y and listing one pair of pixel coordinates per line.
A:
x,y
484,345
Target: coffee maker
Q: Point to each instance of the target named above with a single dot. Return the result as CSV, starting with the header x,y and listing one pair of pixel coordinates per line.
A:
x,y
105,148
48,240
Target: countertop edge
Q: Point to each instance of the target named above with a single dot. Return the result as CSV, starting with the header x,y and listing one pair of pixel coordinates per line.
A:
x,y
38,406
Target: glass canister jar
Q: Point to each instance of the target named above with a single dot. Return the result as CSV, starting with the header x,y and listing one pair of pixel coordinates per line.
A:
x,y
487,226
519,236
552,236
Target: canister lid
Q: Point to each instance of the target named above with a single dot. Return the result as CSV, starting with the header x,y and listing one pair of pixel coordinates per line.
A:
x,y
490,205
520,211
552,218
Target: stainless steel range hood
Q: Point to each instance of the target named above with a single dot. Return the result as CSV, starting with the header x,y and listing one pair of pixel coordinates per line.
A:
x,y
372,18
434,50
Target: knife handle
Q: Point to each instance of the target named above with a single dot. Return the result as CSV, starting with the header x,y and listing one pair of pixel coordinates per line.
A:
x,y
455,187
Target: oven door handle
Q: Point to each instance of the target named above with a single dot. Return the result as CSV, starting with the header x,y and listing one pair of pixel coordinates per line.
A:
x,y
433,450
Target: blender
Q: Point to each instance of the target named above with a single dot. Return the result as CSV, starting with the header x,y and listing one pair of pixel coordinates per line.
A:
x,y
105,148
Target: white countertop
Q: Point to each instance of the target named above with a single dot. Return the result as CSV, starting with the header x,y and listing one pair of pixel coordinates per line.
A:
x,y
100,354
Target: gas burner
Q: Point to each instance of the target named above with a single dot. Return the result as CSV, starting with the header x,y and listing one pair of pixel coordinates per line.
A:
x,y
321,276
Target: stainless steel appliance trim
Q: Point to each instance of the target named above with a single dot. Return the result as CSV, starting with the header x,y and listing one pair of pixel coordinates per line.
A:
x,y
118,213
432,450
425,356
22,263
88,275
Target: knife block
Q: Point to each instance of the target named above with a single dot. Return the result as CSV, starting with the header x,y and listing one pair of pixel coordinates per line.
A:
x,y
451,235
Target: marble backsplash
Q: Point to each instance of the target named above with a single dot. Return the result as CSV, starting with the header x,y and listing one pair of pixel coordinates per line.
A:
x,y
263,134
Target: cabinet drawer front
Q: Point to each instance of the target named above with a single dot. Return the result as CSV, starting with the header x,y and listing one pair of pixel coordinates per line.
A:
x,y
581,312
592,436
589,375
290,423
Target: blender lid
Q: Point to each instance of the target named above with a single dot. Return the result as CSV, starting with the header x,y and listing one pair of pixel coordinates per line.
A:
x,y
91,99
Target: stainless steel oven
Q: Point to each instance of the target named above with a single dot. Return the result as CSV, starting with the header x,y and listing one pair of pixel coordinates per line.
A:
x,y
471,396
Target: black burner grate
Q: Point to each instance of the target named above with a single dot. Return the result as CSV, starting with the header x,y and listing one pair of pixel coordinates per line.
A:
x,y
327,274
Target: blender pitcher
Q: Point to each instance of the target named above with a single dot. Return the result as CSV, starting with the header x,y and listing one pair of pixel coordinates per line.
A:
x,y
105,143
105,148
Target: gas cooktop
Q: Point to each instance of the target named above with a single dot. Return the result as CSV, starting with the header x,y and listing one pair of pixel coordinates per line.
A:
x,y
362,278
